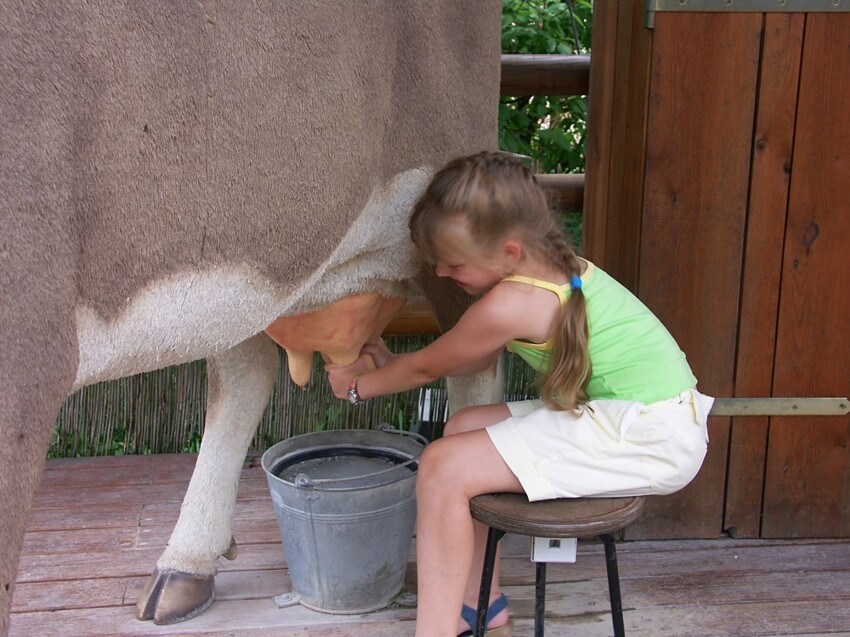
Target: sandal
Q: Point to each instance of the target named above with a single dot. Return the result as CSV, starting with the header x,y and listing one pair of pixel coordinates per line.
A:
x,y
470,614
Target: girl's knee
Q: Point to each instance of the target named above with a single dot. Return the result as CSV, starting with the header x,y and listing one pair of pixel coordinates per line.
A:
x,y
458,423
466,419
475,417
432,460
436,466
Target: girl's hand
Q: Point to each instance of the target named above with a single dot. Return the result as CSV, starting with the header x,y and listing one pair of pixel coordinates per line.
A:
x,y
339,376
378,351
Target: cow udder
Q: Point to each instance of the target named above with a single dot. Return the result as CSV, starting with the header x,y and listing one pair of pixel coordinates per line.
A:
x,y
336,331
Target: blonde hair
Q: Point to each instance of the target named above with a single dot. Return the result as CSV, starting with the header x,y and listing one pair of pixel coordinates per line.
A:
x,y
496,195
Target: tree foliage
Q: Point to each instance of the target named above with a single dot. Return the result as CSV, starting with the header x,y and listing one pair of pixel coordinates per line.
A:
x,y
551,129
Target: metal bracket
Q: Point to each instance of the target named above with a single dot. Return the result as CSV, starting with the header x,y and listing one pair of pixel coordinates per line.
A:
x,y
285,600
780,406
744,6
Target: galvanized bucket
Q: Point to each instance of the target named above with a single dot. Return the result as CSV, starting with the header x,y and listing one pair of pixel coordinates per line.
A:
x,y
346,509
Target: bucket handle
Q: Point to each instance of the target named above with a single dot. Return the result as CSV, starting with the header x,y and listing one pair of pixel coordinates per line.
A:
x,y
388,428
304,481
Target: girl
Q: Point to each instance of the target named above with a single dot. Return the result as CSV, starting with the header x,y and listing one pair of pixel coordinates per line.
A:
x,y
618,415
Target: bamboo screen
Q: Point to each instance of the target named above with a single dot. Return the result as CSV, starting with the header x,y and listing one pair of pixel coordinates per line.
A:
x,y
163,411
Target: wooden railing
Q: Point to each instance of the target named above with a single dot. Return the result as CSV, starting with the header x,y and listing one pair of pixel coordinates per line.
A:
x,y
545,75
782,406
550,75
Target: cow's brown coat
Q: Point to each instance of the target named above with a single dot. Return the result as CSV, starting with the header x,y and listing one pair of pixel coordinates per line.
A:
x,y
152,150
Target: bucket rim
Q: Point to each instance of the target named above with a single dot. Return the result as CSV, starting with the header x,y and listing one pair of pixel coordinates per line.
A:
x,y
302,480
270,462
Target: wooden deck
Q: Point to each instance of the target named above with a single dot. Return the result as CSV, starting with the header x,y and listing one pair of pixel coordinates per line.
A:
x,y
98,526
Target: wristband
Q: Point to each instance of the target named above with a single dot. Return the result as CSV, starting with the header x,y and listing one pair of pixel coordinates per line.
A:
x,y
353,395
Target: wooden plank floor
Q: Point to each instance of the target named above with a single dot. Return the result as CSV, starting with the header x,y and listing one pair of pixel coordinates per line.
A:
x,y
99,524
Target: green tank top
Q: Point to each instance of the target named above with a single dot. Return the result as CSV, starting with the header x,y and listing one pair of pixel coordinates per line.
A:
x,y
632,355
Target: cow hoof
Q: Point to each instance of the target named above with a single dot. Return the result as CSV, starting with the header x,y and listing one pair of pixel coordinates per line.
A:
x,y
232,551
170,597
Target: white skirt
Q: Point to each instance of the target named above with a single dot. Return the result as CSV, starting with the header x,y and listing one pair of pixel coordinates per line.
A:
x,y
607,448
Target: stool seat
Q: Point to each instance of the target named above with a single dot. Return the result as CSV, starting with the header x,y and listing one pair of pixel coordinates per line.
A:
x,y
561,518
566,517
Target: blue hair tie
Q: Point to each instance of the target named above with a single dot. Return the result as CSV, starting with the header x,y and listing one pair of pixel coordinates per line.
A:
x,y
575,282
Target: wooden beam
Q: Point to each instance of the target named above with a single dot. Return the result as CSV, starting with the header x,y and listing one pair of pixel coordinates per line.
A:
x,y
566,191
780,407
415,318
545,75
618,107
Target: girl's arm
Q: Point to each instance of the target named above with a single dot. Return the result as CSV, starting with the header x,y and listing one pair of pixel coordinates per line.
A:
x,y
477,366
471,345
380,354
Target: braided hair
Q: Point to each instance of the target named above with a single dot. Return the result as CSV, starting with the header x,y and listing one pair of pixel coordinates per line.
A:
x,y
497,195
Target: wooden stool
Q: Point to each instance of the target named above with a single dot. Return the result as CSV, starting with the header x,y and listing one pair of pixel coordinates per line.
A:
x,y
563,518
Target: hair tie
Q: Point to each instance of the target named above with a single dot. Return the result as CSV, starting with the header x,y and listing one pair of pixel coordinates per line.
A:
x,y
575,282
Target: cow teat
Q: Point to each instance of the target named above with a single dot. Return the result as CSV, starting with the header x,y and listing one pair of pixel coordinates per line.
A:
x,y
336,331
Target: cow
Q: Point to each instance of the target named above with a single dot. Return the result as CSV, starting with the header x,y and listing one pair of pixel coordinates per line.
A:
x,y
177,176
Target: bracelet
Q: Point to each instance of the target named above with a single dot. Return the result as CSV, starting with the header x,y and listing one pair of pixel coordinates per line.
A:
x,y
353,395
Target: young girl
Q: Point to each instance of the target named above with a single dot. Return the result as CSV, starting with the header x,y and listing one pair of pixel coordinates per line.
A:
x,y
619,413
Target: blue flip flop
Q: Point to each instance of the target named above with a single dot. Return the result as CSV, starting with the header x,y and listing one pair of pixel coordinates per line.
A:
x,y
469,615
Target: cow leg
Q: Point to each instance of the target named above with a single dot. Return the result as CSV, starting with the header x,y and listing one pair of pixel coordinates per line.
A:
x,y
27,417
482,388
240,384
38,359
449,302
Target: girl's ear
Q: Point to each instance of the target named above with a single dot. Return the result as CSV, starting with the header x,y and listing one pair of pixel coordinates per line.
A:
x,y
512,250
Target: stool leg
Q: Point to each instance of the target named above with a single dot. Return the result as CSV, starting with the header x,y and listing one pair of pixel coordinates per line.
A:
x,y
493,537
539,598
614,585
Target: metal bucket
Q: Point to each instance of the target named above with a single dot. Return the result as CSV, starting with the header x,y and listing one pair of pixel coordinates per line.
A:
x,y
346,509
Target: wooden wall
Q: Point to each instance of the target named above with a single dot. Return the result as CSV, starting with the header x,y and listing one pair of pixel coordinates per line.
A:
x,y
718,188
807,481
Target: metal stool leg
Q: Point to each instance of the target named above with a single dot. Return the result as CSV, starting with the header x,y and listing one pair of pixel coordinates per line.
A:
x,y
539,598
493,537
614,585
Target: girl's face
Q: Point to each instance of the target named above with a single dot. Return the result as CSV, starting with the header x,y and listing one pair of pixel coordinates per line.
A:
x,y
458,257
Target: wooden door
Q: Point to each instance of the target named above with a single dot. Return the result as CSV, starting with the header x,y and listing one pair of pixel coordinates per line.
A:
x,y
717,189
807,476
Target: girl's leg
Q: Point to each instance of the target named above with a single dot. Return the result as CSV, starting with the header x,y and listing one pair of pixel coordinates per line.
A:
x,y
478,417
452,470
470,419
473,583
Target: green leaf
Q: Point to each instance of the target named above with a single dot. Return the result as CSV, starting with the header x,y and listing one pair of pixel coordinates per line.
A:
x,y
545,26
